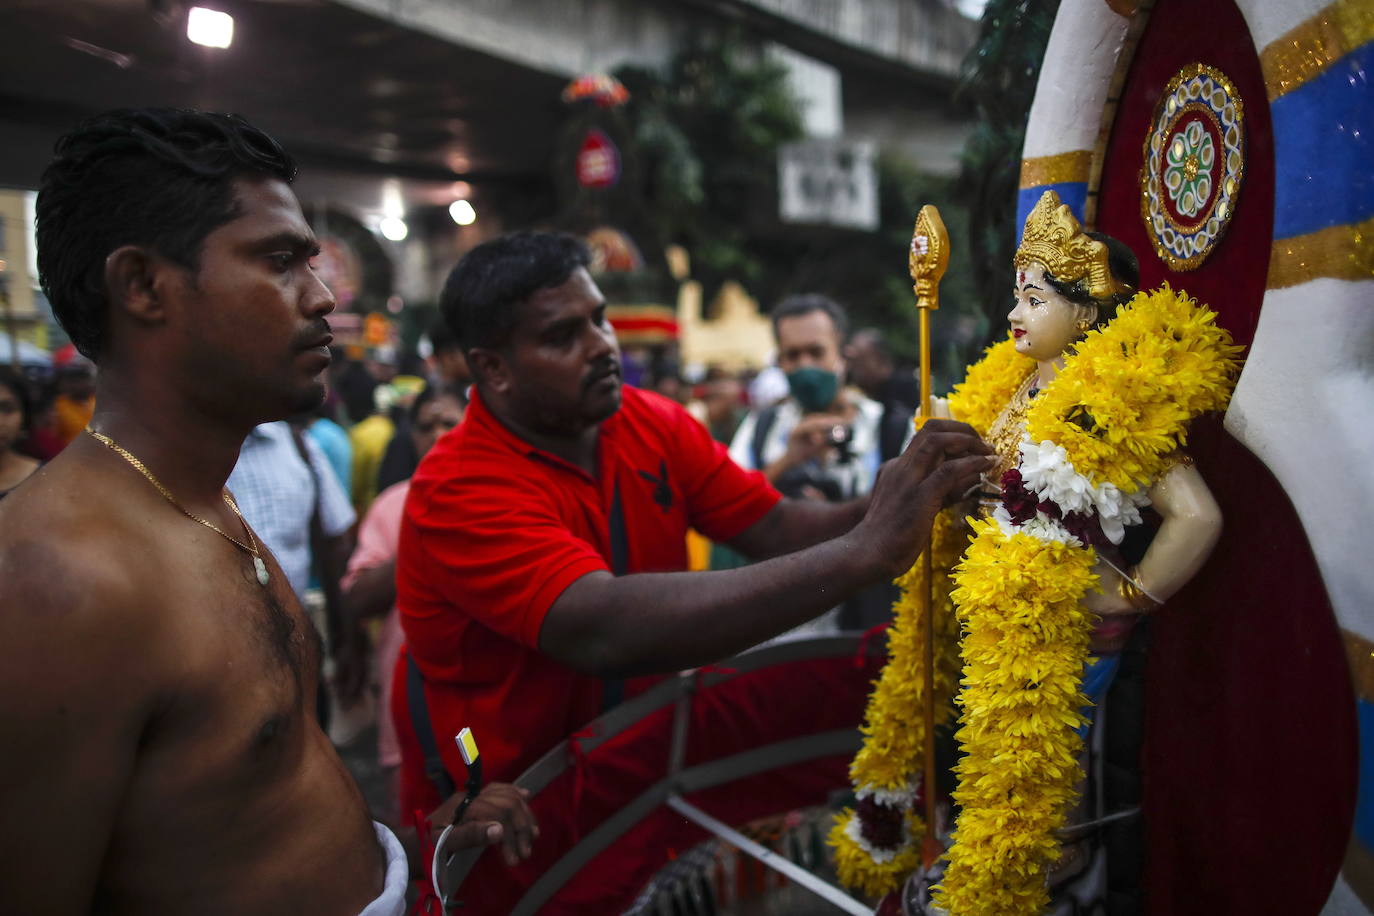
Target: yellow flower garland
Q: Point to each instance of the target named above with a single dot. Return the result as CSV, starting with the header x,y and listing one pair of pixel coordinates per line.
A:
x,y
893,755
1135,385
1025,642
989,385
1162,361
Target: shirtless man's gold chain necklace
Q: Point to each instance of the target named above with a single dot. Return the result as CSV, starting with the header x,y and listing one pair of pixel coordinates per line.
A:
x,y
251,548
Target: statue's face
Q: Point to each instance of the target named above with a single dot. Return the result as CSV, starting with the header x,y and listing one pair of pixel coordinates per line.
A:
x,y
1043,322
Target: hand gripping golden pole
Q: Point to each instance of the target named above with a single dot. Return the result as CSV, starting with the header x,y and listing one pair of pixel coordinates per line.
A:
x,y
927,262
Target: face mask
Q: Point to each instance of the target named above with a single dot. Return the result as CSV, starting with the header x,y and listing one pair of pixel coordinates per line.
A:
x,y
813,388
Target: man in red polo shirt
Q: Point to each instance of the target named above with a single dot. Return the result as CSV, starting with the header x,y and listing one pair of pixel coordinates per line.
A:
x,y
543,543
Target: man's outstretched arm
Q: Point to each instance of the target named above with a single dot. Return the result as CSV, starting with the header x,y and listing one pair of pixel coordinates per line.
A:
x,y
795,524
654,622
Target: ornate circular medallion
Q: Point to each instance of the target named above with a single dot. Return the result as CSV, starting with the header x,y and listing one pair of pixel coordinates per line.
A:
x,y
1194,160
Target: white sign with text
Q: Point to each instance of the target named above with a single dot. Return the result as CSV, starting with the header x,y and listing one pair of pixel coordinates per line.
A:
x,y
831,182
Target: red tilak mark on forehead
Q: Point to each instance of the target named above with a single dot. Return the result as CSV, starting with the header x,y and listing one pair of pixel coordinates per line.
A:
x,y
1021,277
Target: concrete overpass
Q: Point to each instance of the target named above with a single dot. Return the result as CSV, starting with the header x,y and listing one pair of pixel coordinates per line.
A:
x,y
885,66
406,104
919,40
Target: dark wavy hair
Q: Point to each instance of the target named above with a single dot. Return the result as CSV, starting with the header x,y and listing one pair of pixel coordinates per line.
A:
x,y
155,177
1125,268
482,297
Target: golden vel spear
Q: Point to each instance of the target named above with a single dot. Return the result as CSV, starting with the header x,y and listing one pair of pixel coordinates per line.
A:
x,y
927,262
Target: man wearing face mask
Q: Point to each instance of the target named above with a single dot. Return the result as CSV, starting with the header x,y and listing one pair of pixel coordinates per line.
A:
x,y
822,441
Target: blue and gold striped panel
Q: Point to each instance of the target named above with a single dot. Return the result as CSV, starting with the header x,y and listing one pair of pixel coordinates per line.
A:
x,y
1324,149
1318,79
1064,173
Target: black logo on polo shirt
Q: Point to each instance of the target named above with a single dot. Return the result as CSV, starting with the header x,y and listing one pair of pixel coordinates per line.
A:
x,y
663,494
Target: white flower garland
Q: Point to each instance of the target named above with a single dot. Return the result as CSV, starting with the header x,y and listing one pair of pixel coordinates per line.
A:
x,y
854,830
891,798
1048,473
1042,527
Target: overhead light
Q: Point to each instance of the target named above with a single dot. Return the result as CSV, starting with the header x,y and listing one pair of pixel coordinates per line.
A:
x,y
394,228
393,202
462,213
210,27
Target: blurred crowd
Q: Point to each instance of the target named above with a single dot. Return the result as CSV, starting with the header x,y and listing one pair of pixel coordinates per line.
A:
x,y
326,490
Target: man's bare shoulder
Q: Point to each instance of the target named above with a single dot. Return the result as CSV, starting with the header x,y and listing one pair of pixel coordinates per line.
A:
x,y
66,553
83,672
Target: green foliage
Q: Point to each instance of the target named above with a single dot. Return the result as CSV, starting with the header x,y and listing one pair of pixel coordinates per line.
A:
x,y
708,131
999,78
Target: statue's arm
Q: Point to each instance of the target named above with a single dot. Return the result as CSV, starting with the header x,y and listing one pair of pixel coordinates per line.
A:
x,y
1190,529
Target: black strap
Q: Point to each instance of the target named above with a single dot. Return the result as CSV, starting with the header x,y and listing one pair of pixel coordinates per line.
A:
x,y
620,542
763,425
895,425
613,689
424,731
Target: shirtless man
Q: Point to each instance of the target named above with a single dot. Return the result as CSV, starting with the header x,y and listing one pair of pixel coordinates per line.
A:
x,y
156,696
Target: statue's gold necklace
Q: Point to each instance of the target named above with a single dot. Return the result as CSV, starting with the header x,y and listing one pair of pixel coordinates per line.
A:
x,y
1004,435
251,548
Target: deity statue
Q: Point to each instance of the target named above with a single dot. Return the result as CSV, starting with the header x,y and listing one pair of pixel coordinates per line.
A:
x,y
1086,404
1068,282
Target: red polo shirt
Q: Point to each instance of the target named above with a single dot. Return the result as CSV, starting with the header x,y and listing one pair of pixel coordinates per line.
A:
x,y
495,530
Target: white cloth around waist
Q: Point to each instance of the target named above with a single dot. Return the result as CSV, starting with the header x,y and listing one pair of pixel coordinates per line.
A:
x,y
392,900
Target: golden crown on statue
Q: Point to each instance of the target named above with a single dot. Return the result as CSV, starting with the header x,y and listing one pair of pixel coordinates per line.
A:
x,y
1054,238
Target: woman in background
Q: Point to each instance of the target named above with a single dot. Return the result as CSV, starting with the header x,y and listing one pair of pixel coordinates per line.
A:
x,y
370,582
16,417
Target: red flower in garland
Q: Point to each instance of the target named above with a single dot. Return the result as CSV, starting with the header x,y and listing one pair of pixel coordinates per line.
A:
x,y
1085,527
1021,503
880,825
